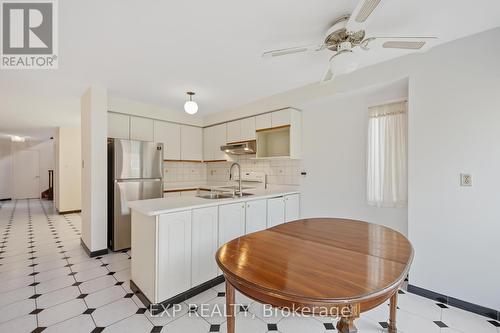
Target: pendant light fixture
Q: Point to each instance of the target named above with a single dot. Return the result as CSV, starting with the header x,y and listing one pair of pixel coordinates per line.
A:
x,y
190,106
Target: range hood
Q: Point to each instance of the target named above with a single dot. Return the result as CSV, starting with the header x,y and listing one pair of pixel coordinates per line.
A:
x,y
240,148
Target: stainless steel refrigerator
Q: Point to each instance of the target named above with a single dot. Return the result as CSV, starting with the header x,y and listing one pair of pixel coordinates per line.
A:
x,y
134,173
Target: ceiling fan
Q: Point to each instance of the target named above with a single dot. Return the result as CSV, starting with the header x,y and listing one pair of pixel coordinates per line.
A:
x,y
348,33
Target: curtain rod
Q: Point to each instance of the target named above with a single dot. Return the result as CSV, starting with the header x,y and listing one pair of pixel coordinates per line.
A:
x,y
389,103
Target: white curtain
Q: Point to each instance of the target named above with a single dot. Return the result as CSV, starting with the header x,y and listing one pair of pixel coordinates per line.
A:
x,y
387,155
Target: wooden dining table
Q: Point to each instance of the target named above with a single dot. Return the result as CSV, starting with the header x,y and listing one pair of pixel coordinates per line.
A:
x,y
318,266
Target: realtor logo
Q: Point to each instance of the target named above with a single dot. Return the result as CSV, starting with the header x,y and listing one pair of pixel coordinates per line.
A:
x,y
29,34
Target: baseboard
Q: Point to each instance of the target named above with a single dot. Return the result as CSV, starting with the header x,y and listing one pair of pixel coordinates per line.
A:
x,y
158,308
93,254
478,309
70,212
6,199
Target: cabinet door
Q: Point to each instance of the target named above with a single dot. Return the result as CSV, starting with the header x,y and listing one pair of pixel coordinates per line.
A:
x,y
275,211
191,143
170,135
204,245
208,144
234,131
118,126
141,129
263,121
248,129
174,254
256,216
231,222
292,207
219,139
281,118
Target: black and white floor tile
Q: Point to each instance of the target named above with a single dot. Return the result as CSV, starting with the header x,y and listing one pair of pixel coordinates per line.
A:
x,y
49,284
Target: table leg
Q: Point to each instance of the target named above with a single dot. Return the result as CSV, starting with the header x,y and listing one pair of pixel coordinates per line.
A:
x,y
230,307
393,311
346,325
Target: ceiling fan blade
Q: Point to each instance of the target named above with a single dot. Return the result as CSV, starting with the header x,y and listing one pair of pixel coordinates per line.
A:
x,y
403,45
292,50
408,43
328,76
361,13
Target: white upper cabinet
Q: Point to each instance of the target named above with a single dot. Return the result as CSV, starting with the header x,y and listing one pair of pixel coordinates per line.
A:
x,y
247,129
281,118
174,249
141,129
292,207
213,138
256,216
191,143
234,131
241,130
118,126
170,135
263,121
275,211
204,245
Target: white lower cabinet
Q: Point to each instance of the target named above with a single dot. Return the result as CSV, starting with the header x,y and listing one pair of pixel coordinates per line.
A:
x,y
174,253
204,245
275,211
231,222
256,216
292,207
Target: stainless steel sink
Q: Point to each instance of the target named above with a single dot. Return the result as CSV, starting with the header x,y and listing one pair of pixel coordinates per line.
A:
x,y
222,195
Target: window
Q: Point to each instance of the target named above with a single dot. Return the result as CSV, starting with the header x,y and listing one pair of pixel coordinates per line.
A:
x,y
387,155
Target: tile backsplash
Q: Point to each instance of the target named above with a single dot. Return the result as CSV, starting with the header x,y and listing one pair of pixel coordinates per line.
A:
x,y
281,172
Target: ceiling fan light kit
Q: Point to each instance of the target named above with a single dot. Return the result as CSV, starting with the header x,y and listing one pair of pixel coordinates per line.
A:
x,y
347,33
191,107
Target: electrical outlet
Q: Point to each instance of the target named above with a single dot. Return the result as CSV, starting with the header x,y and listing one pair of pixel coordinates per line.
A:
x,y
465,179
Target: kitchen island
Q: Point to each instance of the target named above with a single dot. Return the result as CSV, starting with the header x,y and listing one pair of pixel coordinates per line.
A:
x,y
174,240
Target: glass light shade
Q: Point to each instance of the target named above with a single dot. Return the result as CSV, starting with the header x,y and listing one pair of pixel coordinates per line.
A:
x,y
191,107
344,63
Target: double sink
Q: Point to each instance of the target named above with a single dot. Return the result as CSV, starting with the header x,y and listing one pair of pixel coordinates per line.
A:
x,y
226,194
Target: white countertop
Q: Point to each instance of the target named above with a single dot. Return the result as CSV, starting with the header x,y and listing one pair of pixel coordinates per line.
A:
x,y
152,207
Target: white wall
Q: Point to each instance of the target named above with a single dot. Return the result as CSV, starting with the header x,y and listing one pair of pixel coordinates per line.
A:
x,y
68,169
94,104
5,169
334,131
454,127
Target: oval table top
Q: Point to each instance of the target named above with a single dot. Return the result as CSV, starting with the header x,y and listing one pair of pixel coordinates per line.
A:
x,y
318,261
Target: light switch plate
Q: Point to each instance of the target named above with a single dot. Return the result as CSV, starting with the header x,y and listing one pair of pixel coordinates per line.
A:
x,y
465,179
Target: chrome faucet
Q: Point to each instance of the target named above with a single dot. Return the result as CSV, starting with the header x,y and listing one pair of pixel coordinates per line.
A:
x,y
239,176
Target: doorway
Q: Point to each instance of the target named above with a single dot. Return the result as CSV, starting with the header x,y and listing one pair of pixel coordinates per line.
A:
x,y
26,177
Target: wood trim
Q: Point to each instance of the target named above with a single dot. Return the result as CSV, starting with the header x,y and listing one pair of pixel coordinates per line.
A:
x,y
214,161
93,254
186,189
237,142
192,161
272,128
70,211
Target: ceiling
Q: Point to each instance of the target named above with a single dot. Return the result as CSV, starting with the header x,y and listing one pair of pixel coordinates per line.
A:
x,y
155,51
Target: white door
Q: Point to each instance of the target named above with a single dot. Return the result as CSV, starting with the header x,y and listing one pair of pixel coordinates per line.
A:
x,y
26,174
220,138
170,135
118,126
248,129
204,245
191,143
141,129
292,207
275,211
256,216
234,131
174,249
231,222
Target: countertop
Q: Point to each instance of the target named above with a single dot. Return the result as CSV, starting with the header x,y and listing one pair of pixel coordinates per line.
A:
x,y
153,207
